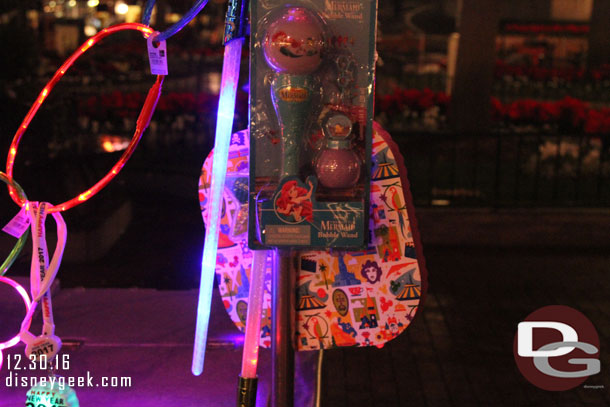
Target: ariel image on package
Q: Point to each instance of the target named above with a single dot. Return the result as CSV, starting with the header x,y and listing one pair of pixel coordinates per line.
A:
x,y
311,119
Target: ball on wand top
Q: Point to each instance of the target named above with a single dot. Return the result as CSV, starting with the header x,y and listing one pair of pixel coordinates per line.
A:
x,y
294,42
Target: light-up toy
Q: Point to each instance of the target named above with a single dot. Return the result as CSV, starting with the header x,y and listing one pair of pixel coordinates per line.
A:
x,y
8,262
224,125
24,295
43,272
26,301
337,165
246,394
293,47
47,345
47,393
357,278
141,124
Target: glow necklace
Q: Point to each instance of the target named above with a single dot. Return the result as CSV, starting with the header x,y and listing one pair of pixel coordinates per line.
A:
x,y
141,123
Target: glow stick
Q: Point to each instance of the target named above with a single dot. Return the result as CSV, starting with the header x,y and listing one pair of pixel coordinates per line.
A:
x,y
8,262
224,126
186,18
179,25
26,300
147,13
249,360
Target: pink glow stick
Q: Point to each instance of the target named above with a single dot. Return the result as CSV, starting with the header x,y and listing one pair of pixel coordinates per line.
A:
x,y
249,360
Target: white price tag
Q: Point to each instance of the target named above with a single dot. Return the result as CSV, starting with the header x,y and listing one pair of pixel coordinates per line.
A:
x,y
19,224
157,56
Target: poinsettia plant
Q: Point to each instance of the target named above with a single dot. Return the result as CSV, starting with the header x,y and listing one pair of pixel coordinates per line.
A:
x,y
541,73
566,115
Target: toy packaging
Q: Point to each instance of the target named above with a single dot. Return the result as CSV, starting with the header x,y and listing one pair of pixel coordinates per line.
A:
x,y
311,105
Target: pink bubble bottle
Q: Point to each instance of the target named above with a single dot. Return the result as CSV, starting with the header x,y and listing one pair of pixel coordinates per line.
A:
x,y
337,165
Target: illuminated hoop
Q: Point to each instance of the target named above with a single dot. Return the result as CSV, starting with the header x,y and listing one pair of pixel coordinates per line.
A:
x,y
179,25
21,241
26,300
141,124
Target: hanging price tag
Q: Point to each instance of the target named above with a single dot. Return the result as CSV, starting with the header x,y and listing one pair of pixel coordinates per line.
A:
x,y
19,224
157,56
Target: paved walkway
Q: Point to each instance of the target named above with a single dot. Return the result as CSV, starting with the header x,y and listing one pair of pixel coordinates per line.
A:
x,y
145,335
457,352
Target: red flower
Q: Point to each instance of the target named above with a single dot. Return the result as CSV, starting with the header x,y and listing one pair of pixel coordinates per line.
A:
x,y
426,100
497,109
548,112
163,104
442,99
410,97
523,110
572,111
598,121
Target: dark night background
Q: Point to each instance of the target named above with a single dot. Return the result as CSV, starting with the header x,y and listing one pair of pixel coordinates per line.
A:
x,y
526,124
506,144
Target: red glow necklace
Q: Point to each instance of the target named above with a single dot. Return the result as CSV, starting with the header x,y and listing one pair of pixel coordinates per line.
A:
x,y
142,123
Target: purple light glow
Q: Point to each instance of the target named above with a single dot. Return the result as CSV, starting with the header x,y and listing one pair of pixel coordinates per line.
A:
x,y
26,300
224,125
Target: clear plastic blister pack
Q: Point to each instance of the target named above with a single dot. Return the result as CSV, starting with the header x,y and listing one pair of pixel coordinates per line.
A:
x,y
311,102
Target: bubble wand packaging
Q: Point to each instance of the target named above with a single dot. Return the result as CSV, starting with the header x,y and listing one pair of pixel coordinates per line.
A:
x,y
311,112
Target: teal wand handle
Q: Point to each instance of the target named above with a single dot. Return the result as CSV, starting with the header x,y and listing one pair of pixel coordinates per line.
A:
x,y
291,96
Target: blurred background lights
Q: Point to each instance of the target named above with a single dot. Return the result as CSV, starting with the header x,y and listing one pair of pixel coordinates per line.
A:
x,y
111,144
90,30
93,3
121,8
